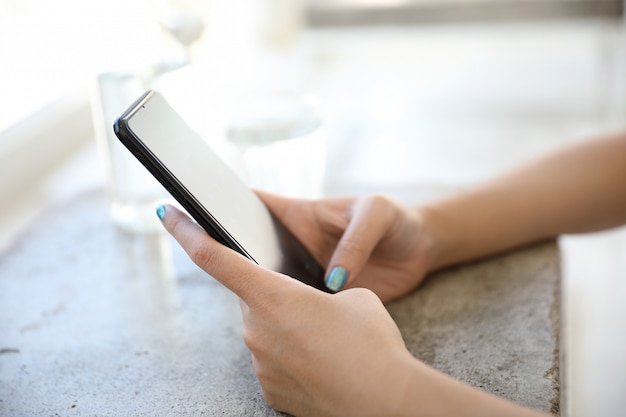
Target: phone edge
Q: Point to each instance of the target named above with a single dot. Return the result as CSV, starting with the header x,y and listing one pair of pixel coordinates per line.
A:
x,y
127,137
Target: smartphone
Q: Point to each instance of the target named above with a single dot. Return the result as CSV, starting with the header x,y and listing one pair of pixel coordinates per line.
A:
x,y
210,191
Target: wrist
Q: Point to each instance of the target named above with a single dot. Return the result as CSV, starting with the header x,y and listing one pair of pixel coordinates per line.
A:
x,y
400,388
439,241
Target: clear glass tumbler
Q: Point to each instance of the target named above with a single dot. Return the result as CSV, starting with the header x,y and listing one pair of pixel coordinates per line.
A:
x,y
133,191
280,144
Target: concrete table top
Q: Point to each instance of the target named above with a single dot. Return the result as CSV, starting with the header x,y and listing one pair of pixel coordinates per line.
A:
x,y
94,321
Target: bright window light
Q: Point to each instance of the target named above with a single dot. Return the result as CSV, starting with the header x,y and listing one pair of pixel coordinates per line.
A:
x,y
50,48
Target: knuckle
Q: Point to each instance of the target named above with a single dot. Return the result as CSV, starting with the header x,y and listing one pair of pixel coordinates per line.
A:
x,y
262,345
364,294
198,249
264,376
251,341
270,398
270,386
375,201
202,255
351,246
381,207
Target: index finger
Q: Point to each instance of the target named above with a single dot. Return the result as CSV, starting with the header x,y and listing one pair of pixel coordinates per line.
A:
x,y
370,221
236,272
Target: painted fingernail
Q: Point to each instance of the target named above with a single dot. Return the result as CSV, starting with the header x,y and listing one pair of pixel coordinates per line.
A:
x,y
160,211
337,279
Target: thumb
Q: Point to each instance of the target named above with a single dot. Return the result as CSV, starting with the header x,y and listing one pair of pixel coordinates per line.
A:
x,y
369,223
236,272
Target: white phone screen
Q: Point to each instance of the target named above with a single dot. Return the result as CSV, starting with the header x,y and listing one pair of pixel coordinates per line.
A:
x,y
187,166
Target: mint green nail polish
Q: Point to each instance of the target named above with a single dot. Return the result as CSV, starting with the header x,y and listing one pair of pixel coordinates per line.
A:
x,y
160,211
337,279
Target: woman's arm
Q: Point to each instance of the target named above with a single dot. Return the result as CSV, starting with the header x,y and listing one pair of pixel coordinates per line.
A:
x,y
436,394
318,354
380,244
578,189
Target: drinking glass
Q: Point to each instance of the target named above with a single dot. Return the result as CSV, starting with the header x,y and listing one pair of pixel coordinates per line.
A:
x,y
133,191
279,143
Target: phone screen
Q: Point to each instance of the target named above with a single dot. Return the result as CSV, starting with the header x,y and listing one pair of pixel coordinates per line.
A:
x,y
210,191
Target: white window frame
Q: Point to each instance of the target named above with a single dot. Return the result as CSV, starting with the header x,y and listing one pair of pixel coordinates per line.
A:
x,y
35,146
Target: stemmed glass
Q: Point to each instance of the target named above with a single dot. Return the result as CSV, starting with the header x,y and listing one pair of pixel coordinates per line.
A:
x,y
184,22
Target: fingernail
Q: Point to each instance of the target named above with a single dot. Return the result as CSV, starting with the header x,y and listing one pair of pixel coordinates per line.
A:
x,y
337,279
160,211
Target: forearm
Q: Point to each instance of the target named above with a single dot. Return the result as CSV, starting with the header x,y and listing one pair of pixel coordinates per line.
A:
x,y
430,393
577,189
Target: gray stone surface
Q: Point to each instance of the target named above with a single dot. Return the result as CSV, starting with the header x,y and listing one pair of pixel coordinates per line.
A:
x,y
493,324
95,322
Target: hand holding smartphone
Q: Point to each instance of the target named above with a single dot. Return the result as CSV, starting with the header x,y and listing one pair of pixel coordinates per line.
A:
x,y
210,191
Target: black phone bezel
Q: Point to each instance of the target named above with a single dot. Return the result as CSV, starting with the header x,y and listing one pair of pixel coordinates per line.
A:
x,y
195,209
168,180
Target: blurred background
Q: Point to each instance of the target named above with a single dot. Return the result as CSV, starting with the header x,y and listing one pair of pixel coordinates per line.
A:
x,y
416,95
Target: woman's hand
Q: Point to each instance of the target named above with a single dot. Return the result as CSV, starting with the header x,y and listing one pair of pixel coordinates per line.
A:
x,y
372,242
315,354
319,354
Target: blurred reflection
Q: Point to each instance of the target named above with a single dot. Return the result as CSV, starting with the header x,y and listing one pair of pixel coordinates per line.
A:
x,y
150,288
